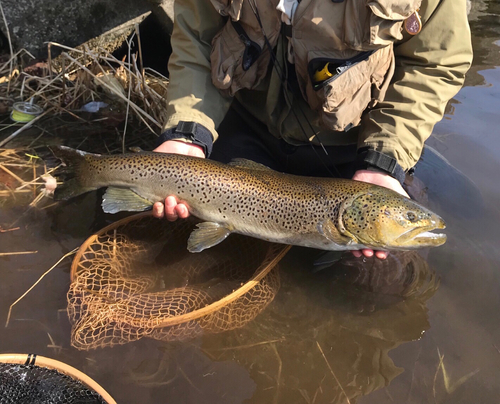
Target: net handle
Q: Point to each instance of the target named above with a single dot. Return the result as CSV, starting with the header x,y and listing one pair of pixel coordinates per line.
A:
x,y
31,359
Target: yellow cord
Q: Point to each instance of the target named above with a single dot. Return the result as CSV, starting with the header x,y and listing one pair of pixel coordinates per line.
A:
x,y
18,116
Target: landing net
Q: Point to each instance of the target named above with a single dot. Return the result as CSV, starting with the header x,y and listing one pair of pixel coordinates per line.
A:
x,y
135,279
32,379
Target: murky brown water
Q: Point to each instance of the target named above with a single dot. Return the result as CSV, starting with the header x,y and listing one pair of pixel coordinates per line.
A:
x,y
425,332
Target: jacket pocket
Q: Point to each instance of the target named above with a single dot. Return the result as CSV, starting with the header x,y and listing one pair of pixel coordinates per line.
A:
x,y
237,60
341,90
387,18
376,23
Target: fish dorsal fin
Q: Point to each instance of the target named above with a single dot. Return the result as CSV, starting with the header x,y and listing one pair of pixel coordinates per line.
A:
x,y
245,163
118,199
328,229
206,235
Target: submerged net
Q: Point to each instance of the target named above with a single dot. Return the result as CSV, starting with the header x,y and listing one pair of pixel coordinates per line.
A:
x,y
136,279
28,379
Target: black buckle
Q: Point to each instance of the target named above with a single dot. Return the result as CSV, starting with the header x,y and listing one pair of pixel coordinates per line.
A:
x,y
186,128
370,158
382,161
195,132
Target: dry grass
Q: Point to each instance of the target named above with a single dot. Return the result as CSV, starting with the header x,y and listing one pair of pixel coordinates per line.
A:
x,y
449,384
63,85
22,175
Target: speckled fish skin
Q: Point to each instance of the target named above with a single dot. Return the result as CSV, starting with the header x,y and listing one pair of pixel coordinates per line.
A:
x,y
250,199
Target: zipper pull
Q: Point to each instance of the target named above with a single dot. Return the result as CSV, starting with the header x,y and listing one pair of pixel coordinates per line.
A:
x,y
343,68
413,24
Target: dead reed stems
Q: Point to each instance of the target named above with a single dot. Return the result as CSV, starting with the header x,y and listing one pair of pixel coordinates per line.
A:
x,y
22,175
63,87
78,76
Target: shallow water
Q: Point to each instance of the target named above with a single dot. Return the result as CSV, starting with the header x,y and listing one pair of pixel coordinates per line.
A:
x,y
426,332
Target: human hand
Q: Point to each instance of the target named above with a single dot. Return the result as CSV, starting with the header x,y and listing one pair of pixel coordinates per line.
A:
x,y
384,180
172,208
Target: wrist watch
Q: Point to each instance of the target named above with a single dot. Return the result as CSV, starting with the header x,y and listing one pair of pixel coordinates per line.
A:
x,y
368,158
194,132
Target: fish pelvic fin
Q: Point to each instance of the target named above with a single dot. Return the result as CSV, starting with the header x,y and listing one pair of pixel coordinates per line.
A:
x,y
118,199
206,235
326,259
75,164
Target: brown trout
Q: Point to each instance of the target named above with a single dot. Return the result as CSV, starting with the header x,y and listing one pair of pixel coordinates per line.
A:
x,y
248,198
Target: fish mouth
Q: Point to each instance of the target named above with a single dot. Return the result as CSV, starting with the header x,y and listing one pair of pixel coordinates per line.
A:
x,y
423,236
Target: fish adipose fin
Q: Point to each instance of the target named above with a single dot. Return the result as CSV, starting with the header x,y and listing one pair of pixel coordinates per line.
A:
x,y
118,199
244,163
206,235
328,229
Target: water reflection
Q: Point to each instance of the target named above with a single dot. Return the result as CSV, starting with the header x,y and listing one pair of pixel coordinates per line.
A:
x,y
443,188
486,31
325,338
331,344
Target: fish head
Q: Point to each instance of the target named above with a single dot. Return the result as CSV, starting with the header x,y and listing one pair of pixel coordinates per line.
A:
x,y
384,219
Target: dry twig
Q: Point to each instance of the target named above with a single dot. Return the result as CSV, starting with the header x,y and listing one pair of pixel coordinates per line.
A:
x,y
37,282
6,254
333,374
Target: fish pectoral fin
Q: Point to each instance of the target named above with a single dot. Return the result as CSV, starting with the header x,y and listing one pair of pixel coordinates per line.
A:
x,y
206,235
245,163
118,199
328,229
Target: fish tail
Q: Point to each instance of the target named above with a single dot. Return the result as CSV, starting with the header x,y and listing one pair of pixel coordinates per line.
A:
x,y
75,166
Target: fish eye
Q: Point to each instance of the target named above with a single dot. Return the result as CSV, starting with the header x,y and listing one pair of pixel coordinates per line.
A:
x,y
412,217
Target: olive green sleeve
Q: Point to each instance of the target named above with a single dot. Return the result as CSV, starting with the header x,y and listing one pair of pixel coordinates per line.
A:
x,y
430,70
191,94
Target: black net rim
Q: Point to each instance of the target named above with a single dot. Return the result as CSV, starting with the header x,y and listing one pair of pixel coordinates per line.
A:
x,y
70,371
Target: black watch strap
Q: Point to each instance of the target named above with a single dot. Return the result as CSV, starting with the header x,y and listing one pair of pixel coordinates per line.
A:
x,y
371,158
196,133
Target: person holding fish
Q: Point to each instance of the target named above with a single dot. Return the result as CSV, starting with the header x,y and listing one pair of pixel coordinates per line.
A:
x,y
344,88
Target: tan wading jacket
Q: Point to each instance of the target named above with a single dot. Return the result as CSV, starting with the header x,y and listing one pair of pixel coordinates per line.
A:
x,y
394,85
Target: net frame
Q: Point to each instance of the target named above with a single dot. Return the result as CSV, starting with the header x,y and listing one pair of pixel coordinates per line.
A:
x,y
61,367
273,255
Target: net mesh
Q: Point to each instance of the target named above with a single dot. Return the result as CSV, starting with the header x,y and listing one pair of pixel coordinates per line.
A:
x,y
29,384
136,279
